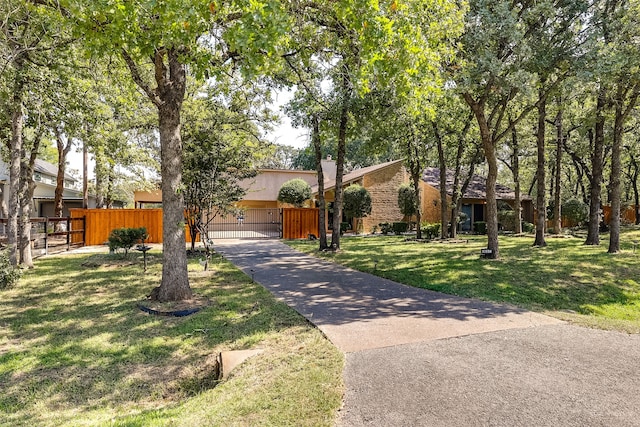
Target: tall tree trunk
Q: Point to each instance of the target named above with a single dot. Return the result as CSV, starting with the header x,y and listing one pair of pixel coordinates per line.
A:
x,y
456,190
597,164
322,204
443,184
415,170
85,177
342,142
557,202
171,90
633,177
27,187
515,170
540,171
16,149
168,96
63,151
492,161
626,98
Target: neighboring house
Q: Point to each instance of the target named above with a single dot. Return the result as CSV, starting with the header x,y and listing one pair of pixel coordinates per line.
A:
x,y
45,175
474,199
383,180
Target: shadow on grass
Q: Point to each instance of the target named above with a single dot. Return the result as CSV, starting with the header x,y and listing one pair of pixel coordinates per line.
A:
x,y
72,339
563,276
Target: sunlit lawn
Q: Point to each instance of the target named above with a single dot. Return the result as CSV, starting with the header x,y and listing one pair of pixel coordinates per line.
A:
x,y
566,279
75,350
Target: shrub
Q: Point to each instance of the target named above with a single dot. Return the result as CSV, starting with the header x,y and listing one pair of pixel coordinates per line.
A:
x,y
528,227
480,227
295,192
575,211
507,219
9,275
125,238
385,228
407,200
400,227
344,226
430,230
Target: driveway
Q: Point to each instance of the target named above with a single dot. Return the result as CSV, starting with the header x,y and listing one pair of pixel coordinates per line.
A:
x,y
421,358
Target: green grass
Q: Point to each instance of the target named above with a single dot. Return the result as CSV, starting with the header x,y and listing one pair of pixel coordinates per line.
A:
x,y
566,279
75,350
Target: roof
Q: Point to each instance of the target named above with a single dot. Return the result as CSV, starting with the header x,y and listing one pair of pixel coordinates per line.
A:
x,y
50,169
355,175
476,189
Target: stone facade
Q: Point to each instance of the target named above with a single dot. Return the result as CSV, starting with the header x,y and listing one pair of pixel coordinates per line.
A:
x,y
383,187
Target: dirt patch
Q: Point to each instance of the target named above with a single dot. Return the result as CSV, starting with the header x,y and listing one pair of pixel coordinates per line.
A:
x,y
117,260
195,302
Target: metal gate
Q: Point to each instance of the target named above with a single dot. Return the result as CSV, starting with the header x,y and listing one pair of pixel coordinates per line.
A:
x,y
250,224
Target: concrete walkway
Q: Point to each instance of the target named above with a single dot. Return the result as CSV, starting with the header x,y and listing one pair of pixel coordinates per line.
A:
x,y
420,358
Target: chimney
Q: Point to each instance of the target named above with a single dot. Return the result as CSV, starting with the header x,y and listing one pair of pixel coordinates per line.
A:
x,y
329,168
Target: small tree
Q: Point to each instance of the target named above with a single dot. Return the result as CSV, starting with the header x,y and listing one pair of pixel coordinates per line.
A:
x,y
294,192
407,200
575,211
356,202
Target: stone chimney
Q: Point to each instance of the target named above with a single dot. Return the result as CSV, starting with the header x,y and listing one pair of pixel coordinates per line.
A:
x,y
329,168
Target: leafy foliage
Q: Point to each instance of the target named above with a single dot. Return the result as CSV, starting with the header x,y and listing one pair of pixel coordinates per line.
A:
x,y
430,230
9,274
575,210
407,200
125,238
295,192
357,201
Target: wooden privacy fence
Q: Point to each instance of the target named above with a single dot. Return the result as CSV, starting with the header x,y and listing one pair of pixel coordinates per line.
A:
x,y
298,223
99,223
627,215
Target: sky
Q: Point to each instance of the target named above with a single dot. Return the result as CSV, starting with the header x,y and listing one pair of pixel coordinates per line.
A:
x,y
283,134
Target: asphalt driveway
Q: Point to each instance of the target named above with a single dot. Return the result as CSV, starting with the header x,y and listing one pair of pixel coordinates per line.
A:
x,y
421,358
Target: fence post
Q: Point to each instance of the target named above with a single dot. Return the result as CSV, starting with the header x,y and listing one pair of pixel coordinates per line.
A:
x,y
68,233
281,223
46,235
84,230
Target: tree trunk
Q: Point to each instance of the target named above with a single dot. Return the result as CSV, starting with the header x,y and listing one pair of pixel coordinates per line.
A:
x,y
444,221
85,177
342,141
27,187
515,171
63,151
540,172
557,202
456,190
16,149
175,279
597,160
322,204
490,154
622,110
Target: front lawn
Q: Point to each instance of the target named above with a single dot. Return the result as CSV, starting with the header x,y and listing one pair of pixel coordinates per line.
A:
x,y
75,350
566,279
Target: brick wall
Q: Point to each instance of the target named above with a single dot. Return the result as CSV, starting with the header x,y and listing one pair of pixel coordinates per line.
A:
x,y
383,187
431,203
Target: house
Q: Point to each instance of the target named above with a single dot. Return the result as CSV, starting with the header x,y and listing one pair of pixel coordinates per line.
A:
x,y
473,201
383,180
45,176
261,206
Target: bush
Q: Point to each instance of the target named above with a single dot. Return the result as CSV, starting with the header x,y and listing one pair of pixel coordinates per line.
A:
x,y
430,230
575,211
9,275
125,238
407,200
480,227
507,218
385,228
400,227
295,192
527,227
344,226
